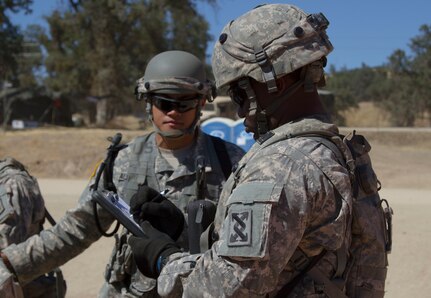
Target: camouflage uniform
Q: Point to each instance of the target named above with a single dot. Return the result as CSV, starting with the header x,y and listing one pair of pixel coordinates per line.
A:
x,y
277,200
122,275
77,229
22,210
22,213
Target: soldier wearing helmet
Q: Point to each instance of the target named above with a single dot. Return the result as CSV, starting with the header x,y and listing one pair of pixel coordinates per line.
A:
x,y
158,169
284,213
175,79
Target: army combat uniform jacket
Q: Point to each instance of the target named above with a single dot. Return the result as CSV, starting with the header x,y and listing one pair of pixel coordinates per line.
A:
x,y
278,200
77,230
142,164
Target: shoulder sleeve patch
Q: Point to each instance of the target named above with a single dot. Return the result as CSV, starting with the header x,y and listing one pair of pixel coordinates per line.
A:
x,y
245,228
240,227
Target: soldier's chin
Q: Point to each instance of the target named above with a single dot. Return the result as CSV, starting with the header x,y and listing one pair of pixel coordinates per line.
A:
x,y
248,130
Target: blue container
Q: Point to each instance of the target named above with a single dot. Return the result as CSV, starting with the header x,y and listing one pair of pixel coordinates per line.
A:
x,y
229,130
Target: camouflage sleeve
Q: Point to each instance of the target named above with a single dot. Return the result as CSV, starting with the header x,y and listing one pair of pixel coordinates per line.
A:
x,y
21,209
248,259
280,201
53,247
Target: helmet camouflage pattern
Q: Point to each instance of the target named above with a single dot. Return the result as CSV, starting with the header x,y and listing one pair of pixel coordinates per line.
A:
x,y
174,72
269,42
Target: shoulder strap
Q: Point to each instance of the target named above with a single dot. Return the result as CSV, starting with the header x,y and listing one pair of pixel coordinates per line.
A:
x,y
49,217
222,155
113,150
145,156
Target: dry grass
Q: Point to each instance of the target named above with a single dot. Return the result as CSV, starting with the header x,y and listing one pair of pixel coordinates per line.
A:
x,y
401,157
59,152
366,114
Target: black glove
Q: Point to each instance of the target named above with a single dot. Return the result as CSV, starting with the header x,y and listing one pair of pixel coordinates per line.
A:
x,y
151,251
144,195
149,205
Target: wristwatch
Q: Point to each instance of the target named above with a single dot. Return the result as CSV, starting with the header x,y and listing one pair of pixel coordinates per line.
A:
x,y
161,262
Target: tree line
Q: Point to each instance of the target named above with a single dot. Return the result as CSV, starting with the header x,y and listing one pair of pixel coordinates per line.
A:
x,y
401,86
92,52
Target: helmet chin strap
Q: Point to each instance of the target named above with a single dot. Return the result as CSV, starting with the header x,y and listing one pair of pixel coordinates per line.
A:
x,y
254,109
262,115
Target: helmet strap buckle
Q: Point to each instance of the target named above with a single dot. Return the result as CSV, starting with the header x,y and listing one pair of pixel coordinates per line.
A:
x,y
267,69
254,110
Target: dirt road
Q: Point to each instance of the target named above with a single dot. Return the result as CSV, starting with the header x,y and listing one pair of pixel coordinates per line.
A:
x,y
409,271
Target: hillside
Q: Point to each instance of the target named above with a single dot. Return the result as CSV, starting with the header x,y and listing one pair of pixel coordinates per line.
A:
x,y
402,157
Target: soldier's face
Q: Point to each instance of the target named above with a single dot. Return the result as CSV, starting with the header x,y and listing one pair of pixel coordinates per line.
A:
x,y
175,111
264,100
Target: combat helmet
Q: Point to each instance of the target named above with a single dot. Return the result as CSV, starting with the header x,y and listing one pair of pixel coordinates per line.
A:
x,y
269,42
174,72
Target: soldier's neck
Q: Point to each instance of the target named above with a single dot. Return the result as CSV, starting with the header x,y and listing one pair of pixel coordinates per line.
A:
x,y
174,143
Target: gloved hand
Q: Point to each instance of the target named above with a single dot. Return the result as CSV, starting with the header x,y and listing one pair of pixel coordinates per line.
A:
x,y
149,205
150,252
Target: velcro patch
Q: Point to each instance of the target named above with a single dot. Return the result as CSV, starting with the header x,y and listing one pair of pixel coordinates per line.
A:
x,y
240,228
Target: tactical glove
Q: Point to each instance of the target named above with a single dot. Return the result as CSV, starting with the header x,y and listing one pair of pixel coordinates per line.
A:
x,y
149,205
151,251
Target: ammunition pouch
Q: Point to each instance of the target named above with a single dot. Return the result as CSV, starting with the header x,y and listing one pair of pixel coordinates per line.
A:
x,y
122,275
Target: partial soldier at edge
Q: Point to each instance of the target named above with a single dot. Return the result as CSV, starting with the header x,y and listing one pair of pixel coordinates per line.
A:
x,y
22,215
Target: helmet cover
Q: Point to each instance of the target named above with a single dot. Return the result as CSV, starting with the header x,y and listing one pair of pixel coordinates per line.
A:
x,y
280,36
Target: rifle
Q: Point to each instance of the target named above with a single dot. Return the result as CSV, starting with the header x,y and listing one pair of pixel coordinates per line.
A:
x,y
108,197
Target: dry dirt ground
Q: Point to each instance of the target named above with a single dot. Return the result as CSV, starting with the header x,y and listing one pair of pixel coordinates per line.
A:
x,y
62,159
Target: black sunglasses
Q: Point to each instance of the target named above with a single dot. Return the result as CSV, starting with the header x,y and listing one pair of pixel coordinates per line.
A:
x,y
168,104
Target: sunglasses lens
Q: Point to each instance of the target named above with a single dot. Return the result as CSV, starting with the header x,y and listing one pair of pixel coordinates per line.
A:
x,y
164,105
167,104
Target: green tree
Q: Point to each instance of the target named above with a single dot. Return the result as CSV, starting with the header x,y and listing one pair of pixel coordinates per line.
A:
x,y
29,60
10,36
421,47
399,96
99,48
407,92
351,86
